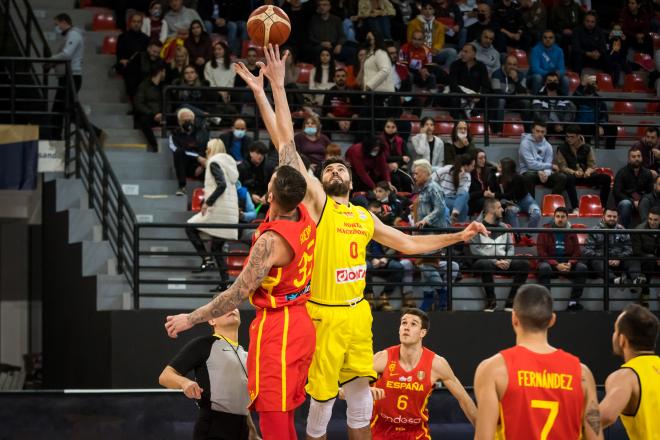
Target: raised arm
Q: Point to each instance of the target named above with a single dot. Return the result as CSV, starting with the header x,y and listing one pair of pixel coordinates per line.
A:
x,y
442,371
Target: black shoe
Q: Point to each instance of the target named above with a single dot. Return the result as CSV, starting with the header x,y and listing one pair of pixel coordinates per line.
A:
x,y
491,306
574,307
508,307
206,265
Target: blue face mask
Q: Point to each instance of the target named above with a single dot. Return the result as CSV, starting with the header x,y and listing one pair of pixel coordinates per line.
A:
x,y
311,131
239,134
156,13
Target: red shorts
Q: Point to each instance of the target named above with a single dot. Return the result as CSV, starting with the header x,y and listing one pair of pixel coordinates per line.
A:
x,y
282,343
388,431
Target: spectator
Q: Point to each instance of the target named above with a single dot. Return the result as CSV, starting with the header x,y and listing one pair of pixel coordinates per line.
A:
x,y
461,142
395,146
631,183
212,12
147,104
130,43
236,15
426,145
376,15
509,81
468,76
327,32
368,161
650,200
341,106
550,108
536,162
355,78
434,277
494,254
179,18
649,145
546,57
431,210
646,246
377,66
322,74
565,16
255,173
399,72
516,198
219,72
291,74
220,206
153,25
454,181
199,46
509,21
449,14
176,66
140,67
246,211
419,60
486,52
592,115
635,21
559,252
618,50
484,21
300,14
311,142
187,142
237,140
433,33
576,159
395,209
535,19
195,91
619,250
589,47
483,183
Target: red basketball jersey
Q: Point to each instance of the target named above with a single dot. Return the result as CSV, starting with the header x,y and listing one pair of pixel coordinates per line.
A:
x,y
403,414
288,285
544,398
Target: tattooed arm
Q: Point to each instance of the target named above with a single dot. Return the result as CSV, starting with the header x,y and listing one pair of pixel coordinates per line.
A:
x,y
268,251
591,426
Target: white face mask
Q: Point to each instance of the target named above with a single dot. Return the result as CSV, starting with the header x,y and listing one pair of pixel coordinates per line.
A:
x,y
462,135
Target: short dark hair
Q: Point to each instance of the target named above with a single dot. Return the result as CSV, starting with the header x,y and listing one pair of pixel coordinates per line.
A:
x,y
609,208
251,49
539,123
374,204
561,209
572,129
258,147
489,203
156,68
639,326
533,307
655,210
289,187
652,129
426,322
155,42
336,159
552,73
65,18
383,184
634,149
472,45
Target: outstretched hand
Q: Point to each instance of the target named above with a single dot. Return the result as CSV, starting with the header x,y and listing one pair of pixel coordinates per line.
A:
x,y
256,83
275,67
473,229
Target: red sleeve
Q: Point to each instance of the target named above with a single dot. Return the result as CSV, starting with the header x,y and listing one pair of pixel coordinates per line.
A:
x,y
357,165
543,245
385,170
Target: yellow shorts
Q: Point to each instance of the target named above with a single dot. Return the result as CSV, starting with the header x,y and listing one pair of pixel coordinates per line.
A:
x,y
344,348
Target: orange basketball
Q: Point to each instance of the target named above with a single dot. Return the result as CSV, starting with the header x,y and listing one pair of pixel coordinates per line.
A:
x,y
268,24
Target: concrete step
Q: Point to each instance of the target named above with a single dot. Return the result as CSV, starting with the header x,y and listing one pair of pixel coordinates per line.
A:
x,y
89,95
107,108
146,205
81,224
126,156
158,172
113,293
108,120
97,256
70,194
151,186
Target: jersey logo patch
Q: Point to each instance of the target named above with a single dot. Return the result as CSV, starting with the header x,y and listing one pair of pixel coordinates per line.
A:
x,y
421,375
350,274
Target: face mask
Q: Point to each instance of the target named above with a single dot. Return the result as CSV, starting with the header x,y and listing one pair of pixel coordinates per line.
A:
x,y
156,13
239,133
374,153
552,86
617,34
311,131
461,135
187,126
481,17
57,29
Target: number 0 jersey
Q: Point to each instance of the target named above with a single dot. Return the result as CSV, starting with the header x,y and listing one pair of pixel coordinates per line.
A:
x,y
544,398
402,414
340,267
643,424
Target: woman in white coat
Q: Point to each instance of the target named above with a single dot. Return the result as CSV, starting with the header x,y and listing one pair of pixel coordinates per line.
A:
x,y
426,145
220,206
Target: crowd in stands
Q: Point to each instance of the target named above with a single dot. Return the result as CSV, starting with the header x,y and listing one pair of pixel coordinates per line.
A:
x,y
429,48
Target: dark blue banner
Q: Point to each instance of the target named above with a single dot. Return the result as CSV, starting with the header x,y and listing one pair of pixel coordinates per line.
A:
x,y
19,148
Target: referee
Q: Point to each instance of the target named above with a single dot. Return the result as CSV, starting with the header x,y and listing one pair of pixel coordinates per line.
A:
x,y
220,386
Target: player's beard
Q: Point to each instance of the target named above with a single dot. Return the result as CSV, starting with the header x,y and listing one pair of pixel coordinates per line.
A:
x,y
336,189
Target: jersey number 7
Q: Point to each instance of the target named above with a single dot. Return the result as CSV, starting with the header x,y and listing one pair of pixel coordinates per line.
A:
x,y
552,416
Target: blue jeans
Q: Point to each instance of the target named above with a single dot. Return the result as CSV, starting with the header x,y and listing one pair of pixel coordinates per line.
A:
x,y
380,24
527,205
459,203
436,276
236,34
626,210
445,57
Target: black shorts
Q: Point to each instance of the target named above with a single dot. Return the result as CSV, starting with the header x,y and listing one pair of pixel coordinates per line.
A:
x,y
216,425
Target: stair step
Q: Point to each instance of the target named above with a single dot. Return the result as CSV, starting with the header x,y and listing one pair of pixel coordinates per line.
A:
x,y
109,108
142,205
81,224
111,291
145,186
136,157
106,120
89,95
95,256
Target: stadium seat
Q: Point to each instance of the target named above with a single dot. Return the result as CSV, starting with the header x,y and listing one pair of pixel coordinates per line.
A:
x,y
623,107
513,128
608,171
590,206
109,46
476,126
444,127
573,81
409,117
634,83
197,200
414,127
645,61
656,41
521,56
652,107
550,203
248,44
238,252
103,22
304,70
604,82
582,238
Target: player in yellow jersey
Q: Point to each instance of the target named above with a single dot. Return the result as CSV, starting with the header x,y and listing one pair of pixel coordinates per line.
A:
x,y
344,348
633,391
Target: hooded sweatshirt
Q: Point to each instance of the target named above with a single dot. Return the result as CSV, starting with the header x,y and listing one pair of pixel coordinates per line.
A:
x,y
544,60
535,156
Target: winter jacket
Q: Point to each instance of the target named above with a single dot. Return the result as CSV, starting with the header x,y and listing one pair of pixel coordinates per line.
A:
x,y
496,245
546,246
552,108
73,49
431,206
646,245
569,161
147,100
423,150
631,186
438,30
588,40
395,148
619,245
367,170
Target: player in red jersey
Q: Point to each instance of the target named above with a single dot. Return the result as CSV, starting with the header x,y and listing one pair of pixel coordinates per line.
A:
x,y
533,390
276,277
407,375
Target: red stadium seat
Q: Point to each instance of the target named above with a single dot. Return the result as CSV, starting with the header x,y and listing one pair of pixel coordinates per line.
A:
x,y
414,127
109,46
582,238
645,61
476,126
604,81
656,40
590,206
634,82
513,128
197,199
304,70
103,22
443,127
409,117
521,56
249,44
623,107
652,107
573,81
550,203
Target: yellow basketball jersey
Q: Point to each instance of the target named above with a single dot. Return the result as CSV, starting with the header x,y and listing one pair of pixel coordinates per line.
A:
x,y
340,267
644,424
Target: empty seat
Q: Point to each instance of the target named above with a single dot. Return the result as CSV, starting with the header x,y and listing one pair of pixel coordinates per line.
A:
x,y
103,22
605,170
477,126
444,127
604,81
521,56
634,82
573,80
552,202
109,46
304,71
513,128
414,127
590,206
248,44
645,61
652,107
197,199
623,107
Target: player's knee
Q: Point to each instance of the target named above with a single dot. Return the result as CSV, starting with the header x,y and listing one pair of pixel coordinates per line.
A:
x,y
319,417
359,403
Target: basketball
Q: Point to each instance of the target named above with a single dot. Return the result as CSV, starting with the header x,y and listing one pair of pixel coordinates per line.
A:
x,y
268,24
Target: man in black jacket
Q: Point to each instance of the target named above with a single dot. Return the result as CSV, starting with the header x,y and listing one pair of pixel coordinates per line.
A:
x,y
650,200
188,144
255,173
631,183
147,103
236,140
648,247
467,75
590,45
130,42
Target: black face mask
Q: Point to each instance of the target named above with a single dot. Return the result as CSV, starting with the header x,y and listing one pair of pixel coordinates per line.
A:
x,y
187,126
481,17
552,86
589,90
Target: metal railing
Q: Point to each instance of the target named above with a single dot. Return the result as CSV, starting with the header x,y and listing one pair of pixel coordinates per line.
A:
x,y
25,28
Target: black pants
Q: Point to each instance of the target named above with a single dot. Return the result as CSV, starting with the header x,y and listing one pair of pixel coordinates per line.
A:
x,y
146,123
597,267
216,250
607,140
184,166
578,275
216,425
556,182
648,268
518,269
600,181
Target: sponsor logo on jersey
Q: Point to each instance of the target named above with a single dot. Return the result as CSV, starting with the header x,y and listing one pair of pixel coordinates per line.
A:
x,y
405,379
350,274
392,367
304,235
421,375
362,215
401,420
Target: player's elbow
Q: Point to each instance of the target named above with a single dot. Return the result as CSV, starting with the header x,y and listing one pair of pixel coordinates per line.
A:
x,y
607,418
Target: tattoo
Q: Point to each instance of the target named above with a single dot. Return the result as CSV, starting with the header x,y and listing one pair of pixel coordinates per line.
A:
x,y
248,280
593,417
289,155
